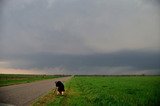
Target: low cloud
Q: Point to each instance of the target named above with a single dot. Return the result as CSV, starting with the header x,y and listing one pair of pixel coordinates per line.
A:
x,y
128,62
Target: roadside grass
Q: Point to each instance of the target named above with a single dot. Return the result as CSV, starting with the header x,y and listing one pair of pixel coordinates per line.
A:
x,y
108,91
43,100
61,100
11,79
51,98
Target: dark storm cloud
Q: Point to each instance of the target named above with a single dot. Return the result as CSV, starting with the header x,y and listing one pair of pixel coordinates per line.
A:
x,y
82,36
90,63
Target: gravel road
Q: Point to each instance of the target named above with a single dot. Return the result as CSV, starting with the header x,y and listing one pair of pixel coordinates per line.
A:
x,y
24,94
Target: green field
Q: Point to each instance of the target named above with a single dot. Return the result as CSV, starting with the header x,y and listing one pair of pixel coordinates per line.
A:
x,y
10,79
111,90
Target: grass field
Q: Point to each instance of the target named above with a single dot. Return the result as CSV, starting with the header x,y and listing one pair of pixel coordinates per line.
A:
x,y
10,79
112,90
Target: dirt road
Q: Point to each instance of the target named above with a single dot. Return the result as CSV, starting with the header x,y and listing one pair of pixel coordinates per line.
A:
x,y
24,94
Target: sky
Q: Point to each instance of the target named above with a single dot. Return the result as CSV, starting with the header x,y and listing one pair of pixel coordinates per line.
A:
x,y
80,36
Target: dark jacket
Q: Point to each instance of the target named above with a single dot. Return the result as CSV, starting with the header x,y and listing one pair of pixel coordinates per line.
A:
x,y
60,86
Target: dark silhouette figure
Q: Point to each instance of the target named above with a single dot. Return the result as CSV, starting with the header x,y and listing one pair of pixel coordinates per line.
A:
x,y
60,87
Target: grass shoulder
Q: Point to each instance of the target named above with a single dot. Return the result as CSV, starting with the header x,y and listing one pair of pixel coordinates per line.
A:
x,y
52,99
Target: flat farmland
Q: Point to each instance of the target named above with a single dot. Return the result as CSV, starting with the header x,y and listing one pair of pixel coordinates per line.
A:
x,y
12,79
110,90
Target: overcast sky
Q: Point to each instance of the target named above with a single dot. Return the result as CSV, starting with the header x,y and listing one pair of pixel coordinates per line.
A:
x,y
80,36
